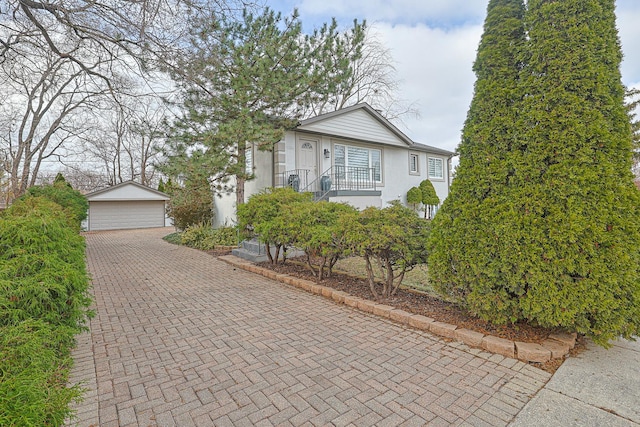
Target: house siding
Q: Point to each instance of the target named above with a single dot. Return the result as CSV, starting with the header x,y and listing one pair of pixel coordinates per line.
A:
x,y
357,125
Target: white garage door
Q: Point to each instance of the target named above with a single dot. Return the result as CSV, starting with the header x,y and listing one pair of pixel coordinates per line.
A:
x,y
130,214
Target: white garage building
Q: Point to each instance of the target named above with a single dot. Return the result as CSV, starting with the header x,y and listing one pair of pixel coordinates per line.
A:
x,y
126,205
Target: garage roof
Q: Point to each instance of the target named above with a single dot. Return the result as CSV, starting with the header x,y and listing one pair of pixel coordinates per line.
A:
x,y
128,190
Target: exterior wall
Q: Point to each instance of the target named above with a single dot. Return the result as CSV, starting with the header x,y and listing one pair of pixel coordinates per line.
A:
x,y
357,124
127,192
225,205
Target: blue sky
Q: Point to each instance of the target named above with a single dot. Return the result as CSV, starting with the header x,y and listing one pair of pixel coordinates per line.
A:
x,y
434,44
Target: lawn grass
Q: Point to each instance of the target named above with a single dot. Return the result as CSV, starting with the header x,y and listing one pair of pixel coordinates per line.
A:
x,y
418,278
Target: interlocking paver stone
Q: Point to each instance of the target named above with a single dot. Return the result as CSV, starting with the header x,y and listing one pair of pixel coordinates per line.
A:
x,y
182,338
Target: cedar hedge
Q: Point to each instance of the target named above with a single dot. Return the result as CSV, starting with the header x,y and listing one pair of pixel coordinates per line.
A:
x,y
44,302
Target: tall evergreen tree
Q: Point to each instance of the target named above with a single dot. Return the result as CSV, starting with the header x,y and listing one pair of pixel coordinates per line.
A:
x,y
563,241
465,239
249,81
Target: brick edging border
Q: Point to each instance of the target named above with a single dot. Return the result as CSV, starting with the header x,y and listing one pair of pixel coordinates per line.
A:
x,y
556,346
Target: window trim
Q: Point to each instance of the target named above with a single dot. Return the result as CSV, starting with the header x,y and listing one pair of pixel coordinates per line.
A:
x,y
417,157
361,147
248,159
429,170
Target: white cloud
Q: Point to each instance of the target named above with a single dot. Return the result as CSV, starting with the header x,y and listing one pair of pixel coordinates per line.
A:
x,y
435,68
434,43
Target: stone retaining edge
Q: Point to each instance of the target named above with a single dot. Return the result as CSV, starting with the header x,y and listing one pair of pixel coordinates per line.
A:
x,y
556,346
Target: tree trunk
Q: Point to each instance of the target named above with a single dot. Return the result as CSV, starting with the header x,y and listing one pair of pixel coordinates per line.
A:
x,y
372,280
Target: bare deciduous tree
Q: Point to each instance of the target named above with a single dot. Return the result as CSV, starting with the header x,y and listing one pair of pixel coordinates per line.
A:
x,y
45,95
124,141
373,80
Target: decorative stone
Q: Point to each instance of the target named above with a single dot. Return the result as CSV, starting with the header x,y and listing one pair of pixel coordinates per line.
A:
x,y
316,289
443,329
499,346
419,321
352,301
382,310
558,349
469,337
569,339
366,305
399,316
338,296
532,352
327,291
304,284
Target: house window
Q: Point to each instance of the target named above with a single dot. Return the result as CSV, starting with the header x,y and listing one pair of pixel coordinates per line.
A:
x,y
414,164
358,157
436,169
248,159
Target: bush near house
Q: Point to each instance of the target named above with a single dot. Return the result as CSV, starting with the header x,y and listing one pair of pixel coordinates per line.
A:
x,y
318,231
265,216
542,223
393,238
43,303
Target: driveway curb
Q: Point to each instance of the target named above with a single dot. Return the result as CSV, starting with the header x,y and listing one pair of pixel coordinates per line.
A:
x,y
555,347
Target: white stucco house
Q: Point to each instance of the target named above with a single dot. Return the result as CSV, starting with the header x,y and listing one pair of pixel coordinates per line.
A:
x,y
352,155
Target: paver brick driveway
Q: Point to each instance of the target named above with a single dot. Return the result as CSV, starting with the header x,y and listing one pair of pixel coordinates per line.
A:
x,y
183,339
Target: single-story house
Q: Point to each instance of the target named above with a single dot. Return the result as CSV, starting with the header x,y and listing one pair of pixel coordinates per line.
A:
x,y
126,205
352,155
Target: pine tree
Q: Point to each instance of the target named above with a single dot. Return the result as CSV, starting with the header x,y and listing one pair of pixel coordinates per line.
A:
x,y
559,233
247,82
465,234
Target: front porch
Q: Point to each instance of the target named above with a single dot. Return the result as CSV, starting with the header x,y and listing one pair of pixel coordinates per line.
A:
x,y
355,185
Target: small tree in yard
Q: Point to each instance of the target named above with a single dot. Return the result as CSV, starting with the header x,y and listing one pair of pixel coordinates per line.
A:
x,y
414,197
393,238
318,234
429,198
192,202
266,215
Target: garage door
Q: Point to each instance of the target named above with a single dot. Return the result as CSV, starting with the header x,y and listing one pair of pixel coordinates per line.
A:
x,y
130,214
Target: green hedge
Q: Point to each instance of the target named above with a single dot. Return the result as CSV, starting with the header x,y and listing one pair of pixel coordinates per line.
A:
x,y
44,302
393,238
204,237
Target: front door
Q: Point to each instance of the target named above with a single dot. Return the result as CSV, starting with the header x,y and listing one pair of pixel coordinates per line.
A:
x,y
306,159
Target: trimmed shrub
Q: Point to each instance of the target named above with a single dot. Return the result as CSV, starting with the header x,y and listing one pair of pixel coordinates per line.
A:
x,y
204,237
263,216
392,237
43,273
44,302
74,204
414,197
317,231
34,369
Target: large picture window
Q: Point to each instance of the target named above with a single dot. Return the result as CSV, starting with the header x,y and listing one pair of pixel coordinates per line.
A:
x,y
436,169
370,160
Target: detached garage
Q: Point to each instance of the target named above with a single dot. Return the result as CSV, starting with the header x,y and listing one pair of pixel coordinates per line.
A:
x,y
126,205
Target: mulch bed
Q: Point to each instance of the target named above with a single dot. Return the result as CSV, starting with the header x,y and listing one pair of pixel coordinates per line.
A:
x,y
421,303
